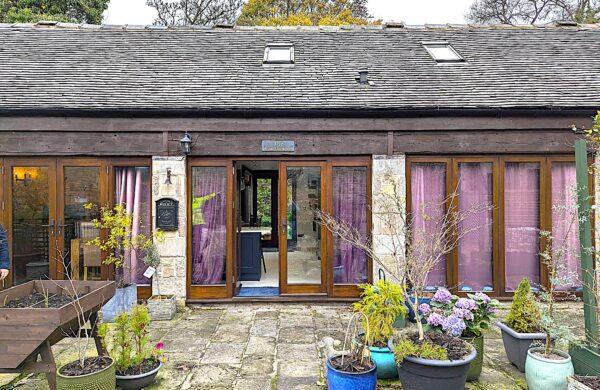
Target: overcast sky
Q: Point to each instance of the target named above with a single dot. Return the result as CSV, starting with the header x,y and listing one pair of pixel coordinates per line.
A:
x,y
409,11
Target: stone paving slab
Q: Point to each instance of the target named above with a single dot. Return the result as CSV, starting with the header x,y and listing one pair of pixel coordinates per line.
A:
x,y
272,346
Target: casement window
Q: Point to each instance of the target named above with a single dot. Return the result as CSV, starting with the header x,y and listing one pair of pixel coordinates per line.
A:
x,y
527,195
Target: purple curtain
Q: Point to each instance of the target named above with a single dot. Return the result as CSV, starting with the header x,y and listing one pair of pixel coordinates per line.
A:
x,y
521,223
428,193
132,190
209,225
475,249
564,204
350,206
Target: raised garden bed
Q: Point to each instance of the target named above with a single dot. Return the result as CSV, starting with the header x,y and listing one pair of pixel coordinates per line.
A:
x,y
38,314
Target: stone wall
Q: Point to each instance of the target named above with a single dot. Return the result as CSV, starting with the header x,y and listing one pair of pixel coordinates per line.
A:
x,y
381,165
173,249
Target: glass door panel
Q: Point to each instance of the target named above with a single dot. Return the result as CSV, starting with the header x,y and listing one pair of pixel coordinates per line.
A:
x,y
31,222
301,241
80,185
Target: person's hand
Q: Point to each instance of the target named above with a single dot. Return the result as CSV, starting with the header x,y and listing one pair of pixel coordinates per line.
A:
x,y
3,273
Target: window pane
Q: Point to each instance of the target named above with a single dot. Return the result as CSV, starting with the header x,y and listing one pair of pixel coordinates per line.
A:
x,y
209,225
350,206
521,223
132,190
475,249
428,193
565,229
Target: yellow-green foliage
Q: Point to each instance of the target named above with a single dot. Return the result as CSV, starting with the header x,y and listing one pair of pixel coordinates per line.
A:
x,y
381,302
524,315
404,348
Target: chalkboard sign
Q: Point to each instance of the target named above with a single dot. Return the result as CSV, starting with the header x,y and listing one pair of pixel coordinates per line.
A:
x,y
167,210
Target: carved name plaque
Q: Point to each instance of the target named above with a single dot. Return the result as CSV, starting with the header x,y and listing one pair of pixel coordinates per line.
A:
x,y
167,210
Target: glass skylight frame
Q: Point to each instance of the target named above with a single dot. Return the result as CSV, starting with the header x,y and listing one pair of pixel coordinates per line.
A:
x,y
454,59
278,46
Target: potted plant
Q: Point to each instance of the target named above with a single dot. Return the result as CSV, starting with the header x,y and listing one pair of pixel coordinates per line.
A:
x,y
476,311
547,366
353,369
161,307
123,241
521,327
578,382
136,362
382,303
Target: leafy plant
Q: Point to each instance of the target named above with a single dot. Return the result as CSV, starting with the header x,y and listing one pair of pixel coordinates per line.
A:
x,y
381,304
465,317
152,259
130,343
405,347
524,315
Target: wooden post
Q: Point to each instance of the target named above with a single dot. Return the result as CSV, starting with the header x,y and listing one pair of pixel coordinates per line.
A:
x,y
585,240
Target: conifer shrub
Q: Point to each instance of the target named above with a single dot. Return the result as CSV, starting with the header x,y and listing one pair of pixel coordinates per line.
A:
x,y
524,315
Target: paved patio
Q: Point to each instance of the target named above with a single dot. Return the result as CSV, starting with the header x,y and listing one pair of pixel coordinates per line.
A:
x,y
270,346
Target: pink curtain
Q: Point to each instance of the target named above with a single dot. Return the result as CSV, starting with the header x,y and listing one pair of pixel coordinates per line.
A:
x,y
475,249
350,206
521,223
565,229
132,190
428,193
209,226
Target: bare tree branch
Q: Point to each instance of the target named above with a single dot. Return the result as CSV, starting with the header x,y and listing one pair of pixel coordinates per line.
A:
x,y
195,12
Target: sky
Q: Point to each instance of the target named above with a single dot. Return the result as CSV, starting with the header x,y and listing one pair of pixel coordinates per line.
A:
x,y
408,11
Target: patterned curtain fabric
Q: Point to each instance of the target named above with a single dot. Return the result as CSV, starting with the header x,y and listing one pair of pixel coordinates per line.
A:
x,y
521,223
428,193
209,225
565,228
475,249
132,190
350,206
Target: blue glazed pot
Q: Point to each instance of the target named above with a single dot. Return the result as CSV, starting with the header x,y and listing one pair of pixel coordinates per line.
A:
x,y
544,374
339,380
385,362
411,313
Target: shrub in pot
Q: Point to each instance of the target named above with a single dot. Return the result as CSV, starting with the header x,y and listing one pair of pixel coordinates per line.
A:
x,y
161,307
434,361
382,303
353,369
521,328
476,311
137,362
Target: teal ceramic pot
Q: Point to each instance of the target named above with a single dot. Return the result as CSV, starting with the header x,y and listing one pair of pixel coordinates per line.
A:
x,y
545,374
386,364
477,363
400,322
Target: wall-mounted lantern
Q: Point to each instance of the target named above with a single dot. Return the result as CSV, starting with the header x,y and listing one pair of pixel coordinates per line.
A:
x,y
186,143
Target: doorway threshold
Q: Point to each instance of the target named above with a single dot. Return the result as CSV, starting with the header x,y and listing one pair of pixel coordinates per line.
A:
x,y
258,292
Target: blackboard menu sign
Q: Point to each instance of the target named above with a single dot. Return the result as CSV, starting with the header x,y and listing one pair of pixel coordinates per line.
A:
x,y
167,210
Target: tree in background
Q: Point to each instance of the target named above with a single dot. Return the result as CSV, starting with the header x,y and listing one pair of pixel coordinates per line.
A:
x,y
534,11
304,12
32,11
195,12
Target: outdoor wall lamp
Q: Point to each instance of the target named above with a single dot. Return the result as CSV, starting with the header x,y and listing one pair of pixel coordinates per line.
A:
x,y
186,143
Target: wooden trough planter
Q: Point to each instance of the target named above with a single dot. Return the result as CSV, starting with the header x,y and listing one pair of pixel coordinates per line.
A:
x,y
28,332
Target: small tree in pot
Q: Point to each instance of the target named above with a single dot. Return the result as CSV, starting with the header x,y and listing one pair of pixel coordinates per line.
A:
x,y
161,307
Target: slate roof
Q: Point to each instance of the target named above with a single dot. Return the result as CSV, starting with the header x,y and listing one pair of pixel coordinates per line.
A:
x,y
113,68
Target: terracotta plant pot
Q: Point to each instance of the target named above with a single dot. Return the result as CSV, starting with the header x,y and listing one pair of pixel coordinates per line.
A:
x,y
543,374
136,382
517,344
426,374
101,380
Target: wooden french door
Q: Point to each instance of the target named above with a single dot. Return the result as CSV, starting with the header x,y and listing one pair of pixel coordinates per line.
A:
x,y
302,241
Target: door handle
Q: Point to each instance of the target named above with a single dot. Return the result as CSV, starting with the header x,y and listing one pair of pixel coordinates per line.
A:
x,y
60,226
51,226
284,227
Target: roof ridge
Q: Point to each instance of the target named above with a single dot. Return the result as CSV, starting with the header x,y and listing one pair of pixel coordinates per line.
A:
x,y
386,26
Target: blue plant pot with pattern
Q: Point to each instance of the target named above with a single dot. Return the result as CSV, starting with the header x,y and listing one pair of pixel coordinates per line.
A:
x,y
544,374
339,380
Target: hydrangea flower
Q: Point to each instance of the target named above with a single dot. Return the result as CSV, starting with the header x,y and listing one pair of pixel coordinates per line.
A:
x,y
453,325
465,303
491,310
424,308
463,313
483,297
435,319
442,296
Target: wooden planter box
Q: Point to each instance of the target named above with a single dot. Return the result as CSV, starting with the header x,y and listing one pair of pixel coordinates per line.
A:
x,y
26,333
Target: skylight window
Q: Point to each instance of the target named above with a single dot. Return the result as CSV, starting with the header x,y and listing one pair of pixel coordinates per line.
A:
x,y
279,54
442,52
